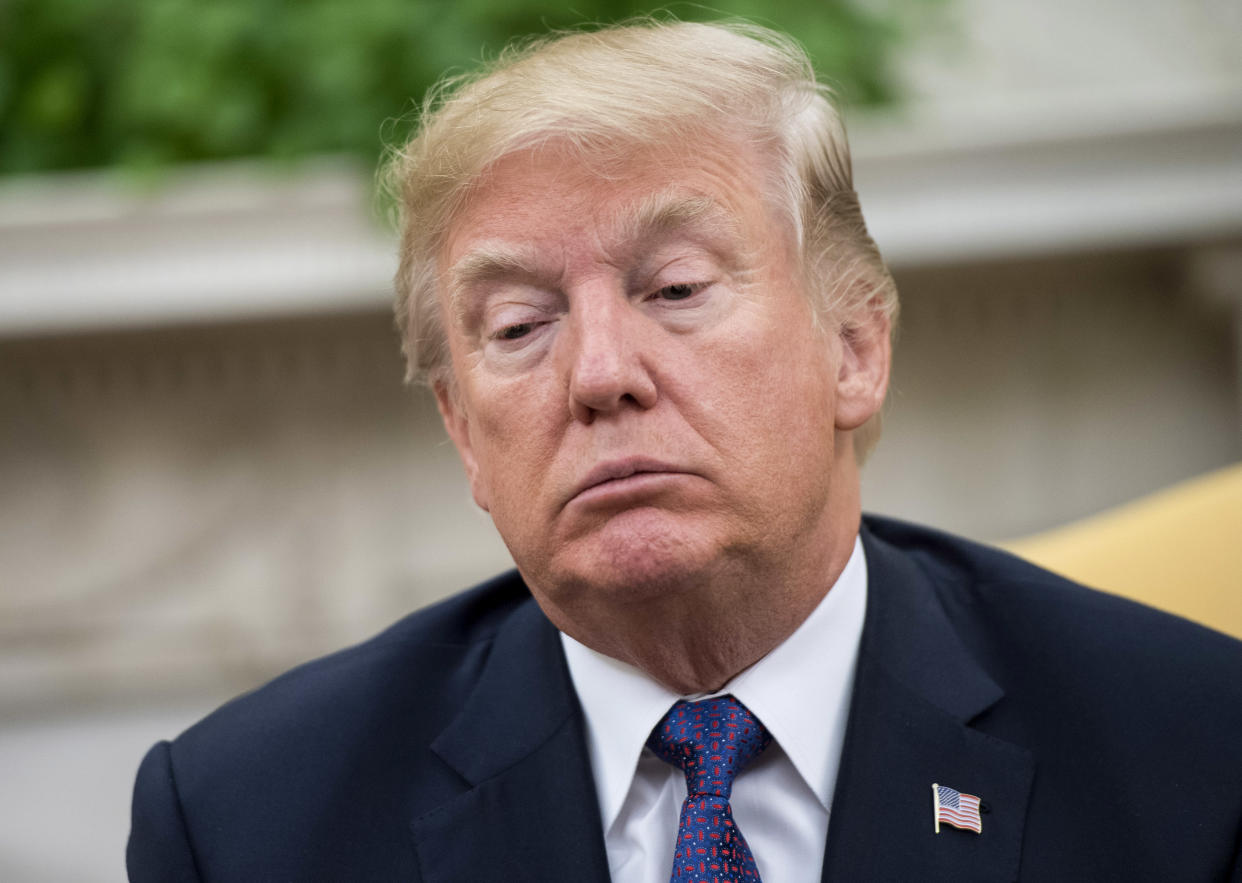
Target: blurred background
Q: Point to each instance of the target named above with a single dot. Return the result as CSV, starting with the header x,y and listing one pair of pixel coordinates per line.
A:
x,y
210,470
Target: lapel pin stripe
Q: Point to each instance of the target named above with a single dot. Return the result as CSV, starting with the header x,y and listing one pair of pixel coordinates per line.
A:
x,y
957,809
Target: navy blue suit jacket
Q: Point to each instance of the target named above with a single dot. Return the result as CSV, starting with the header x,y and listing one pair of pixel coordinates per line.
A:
x,y
1104,738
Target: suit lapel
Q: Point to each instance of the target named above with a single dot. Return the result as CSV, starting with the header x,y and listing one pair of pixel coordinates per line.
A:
x,y
917,690
531,813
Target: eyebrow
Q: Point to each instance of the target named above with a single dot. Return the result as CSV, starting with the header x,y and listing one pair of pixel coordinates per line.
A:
x,y
660,214
488,261
663,212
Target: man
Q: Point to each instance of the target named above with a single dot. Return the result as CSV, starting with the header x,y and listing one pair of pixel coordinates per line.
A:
x,y
635,275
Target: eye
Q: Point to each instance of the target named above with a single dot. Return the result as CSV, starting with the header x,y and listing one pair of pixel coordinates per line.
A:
x,y
680,290
513,332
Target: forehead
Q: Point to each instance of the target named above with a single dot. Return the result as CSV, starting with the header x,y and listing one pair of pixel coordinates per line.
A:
x,y
543,198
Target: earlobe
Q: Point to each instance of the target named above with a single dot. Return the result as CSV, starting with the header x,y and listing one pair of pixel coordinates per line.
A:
x,y
457,425
862,378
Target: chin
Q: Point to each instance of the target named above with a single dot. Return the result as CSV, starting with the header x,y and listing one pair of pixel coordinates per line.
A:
x,y
635,556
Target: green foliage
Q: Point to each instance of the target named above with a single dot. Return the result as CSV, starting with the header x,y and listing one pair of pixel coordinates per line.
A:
x,y
144,83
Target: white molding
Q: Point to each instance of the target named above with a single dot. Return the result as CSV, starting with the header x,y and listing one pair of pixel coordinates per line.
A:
x,y
221,242
938,185
946,185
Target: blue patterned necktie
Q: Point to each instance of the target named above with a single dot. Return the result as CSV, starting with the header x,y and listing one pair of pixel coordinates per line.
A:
x,y
711,740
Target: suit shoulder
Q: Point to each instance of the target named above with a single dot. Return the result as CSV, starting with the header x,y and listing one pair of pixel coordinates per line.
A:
x,y
956,561
258,783
1003,604
430,654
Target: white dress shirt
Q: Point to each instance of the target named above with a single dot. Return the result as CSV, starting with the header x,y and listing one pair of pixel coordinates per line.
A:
x,y
801,693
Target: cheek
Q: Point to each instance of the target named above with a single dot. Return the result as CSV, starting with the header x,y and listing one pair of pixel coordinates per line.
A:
x,y
775,401
514,431
774,366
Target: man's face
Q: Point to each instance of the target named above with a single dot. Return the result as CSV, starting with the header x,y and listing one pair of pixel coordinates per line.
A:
x,y
642,400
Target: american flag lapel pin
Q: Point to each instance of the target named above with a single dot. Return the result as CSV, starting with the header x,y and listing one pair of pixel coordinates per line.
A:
x,y
956,809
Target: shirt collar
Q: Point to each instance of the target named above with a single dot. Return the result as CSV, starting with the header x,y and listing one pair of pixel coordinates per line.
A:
x,y
800,691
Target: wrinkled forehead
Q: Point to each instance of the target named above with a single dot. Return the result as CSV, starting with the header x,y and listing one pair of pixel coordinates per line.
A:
x,y
623,192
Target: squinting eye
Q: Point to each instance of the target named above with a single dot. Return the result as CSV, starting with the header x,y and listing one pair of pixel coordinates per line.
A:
x,y
680,291
513,332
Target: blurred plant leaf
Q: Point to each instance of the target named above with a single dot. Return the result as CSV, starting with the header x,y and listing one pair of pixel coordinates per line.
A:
x,y
141,83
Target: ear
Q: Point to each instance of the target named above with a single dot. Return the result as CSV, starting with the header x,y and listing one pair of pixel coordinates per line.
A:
x,y
457,424
862,378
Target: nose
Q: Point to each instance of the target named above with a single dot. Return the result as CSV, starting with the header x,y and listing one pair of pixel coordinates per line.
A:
x,y
607,355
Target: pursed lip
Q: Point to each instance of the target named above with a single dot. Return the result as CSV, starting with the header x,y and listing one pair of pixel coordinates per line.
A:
x,y
614,470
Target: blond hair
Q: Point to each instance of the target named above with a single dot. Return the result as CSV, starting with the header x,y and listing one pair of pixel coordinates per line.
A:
x,y
606,92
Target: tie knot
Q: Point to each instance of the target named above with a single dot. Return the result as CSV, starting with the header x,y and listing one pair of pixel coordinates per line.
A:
x,y
712,740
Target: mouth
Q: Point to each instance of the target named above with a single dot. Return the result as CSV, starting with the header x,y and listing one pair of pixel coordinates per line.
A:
x,y
621,475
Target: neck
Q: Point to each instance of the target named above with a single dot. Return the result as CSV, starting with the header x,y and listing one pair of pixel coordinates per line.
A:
x,y
704,654
698,641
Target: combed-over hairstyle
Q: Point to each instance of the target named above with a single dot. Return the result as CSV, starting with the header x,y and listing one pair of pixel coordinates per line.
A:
x,y
607,92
